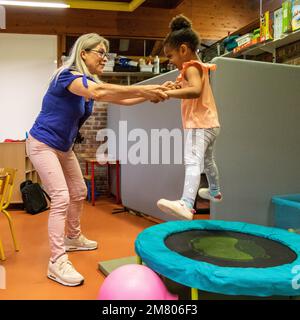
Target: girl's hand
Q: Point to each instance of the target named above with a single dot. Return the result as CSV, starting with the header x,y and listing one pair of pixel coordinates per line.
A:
x,y
177,85
172,85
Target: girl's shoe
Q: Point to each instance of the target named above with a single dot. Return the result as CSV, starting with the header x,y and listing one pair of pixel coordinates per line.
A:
x,y
176,208
205,194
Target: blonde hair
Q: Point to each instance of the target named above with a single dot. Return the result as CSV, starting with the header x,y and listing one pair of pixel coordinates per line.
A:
x,y
75,61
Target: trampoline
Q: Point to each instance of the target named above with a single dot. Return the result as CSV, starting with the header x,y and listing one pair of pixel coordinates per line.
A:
x,y
232,258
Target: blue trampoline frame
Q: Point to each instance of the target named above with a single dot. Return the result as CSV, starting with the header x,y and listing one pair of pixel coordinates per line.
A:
x,y
263,282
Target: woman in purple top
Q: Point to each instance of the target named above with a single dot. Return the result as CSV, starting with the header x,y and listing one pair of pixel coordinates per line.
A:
x,y
67,103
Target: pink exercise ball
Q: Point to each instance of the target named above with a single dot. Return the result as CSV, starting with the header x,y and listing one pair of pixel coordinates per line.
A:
x,y
134,282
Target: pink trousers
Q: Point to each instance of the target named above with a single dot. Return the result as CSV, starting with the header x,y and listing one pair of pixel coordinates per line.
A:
x,y
62,178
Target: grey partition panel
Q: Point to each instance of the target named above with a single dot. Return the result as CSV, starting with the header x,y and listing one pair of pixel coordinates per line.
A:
x,y
143,184
258,150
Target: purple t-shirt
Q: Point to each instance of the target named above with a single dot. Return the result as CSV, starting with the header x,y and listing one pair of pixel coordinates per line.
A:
x,y
62,113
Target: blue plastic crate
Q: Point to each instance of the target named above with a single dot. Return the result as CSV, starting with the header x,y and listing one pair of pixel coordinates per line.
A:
x,y
287,211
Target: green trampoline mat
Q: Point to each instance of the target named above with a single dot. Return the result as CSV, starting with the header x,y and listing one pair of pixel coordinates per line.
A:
x,y
228,248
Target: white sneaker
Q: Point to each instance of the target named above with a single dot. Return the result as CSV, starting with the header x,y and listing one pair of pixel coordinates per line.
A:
x,y
176,208
205,194
62,271
80,244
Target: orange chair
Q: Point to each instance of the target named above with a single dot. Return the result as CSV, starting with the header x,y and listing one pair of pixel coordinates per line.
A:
x,y
6,190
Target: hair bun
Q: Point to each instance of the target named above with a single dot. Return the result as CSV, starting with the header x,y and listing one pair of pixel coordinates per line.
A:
x,y
180,22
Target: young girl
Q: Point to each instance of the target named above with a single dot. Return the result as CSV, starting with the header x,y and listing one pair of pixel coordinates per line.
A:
x,y
199,118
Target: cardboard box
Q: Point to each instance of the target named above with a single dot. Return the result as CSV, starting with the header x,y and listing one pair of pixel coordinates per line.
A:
x,y
248,45
296,15
244,39
287,16
266,26
278,24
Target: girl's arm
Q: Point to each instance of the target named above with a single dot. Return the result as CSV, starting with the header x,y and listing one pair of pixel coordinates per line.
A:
x,y
114,93
193,76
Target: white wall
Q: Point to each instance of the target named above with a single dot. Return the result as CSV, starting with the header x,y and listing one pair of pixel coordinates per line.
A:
x,y
26,65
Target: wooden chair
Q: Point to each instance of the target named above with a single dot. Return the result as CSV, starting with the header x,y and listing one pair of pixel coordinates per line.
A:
x,y
6,190
4,179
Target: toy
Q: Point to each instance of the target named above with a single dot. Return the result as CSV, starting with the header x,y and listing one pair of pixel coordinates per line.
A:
x,y
134,282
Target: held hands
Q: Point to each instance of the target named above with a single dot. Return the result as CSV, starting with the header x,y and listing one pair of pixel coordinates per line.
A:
x,y
172,85
168,85
155,93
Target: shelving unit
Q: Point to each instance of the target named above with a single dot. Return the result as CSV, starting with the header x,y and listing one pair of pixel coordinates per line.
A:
x,y
129,75
13,155
269,46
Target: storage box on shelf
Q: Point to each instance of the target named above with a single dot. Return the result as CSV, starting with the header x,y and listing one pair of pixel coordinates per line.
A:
x,y
245,39
277,29
146,68
278,33
296,15
255,48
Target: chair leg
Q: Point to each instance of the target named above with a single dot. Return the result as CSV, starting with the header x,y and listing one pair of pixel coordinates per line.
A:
x,y
12,229
2,255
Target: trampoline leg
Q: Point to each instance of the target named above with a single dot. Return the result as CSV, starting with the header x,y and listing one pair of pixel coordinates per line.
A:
x,y
139,260
194,293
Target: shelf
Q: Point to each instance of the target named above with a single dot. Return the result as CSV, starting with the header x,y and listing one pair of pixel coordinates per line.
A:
x,y
285,40
128,75
125,74
270,46
227,55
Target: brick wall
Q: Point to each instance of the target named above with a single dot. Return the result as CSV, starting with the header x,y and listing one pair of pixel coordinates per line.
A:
x,y
88,148
289,54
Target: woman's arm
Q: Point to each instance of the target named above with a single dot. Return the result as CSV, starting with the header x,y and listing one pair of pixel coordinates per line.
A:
x,y
130,102
113,93
193,76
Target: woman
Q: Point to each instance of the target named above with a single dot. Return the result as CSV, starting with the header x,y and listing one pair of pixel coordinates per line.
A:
x,y
67,103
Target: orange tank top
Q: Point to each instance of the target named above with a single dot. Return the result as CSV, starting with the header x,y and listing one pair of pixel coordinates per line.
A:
x,y
201,112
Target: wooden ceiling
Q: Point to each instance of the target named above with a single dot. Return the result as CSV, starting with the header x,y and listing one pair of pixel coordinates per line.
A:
x,y
164,4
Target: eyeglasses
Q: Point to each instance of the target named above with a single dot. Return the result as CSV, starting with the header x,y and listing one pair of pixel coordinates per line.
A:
x,y
102,54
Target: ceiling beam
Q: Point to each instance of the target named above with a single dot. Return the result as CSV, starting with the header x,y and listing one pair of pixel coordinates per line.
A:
x,y
166,4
